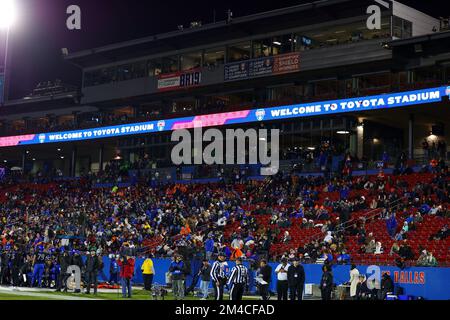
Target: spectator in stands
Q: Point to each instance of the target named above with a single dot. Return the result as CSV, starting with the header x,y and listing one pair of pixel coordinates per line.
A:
x,y
343,258
328,238
432,261
405,251
394,249
441,234
378,248
423,259
391,224
370,247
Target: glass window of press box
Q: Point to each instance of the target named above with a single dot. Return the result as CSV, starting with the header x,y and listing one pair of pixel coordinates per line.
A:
x,y
214,57
401,28
239,51
272,46
191,60
340,34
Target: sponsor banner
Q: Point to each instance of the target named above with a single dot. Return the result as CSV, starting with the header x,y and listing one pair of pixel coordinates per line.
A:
x,y
379,102
179,80
267,66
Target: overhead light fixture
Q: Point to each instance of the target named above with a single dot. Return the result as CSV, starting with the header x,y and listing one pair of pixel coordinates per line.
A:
x,y
5,161
343,132
8,13
62,157
59,149
277,43
28,152
311,148
34,159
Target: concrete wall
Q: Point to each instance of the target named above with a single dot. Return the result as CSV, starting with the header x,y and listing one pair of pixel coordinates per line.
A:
x,y
422,23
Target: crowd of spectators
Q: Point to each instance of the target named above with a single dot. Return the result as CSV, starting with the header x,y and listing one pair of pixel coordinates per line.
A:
x,y
207,219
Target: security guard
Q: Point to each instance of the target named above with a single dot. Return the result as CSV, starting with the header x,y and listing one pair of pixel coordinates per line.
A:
x,y
238,280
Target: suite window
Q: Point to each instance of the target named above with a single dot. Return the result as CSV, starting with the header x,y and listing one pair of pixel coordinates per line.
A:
x,y
139,69
191,60
282,44
239,51
214,57
170,64
263,48
154,67
124,72
401,28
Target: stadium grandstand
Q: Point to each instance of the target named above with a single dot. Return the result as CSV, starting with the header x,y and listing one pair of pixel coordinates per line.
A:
x,y
363,177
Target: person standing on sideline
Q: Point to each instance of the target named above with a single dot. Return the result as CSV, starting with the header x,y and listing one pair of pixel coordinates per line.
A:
x,y
38,263
354,280
326,283
177,269
148,272
296,280
126,265
92,268
265,273
282,280
205,278
64,261
218,276
238,280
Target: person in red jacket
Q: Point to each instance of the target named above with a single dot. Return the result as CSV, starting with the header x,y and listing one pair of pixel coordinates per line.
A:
x,y
126,265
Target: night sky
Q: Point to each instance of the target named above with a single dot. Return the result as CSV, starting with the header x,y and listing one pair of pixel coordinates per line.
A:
x,y
41,32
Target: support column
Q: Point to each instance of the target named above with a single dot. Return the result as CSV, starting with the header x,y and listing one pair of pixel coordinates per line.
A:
x,y
73,161
24,156
100,158
360,141
411,137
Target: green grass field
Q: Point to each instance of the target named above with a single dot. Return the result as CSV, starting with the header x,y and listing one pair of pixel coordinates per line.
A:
x,y
137,295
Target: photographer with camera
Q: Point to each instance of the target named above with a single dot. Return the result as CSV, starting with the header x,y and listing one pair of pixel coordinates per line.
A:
x,y
282,279
64,261
264,277
126,264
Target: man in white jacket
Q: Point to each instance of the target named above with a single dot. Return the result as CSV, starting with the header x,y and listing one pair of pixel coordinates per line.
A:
x,y
354,279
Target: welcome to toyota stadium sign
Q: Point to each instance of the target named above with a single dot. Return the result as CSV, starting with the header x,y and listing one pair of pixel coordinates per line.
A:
x,y
379,102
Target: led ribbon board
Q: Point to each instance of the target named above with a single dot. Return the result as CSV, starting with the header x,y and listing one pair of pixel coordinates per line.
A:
x,y
379,102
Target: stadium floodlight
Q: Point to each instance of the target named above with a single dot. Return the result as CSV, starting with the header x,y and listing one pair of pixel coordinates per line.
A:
x,y
8,13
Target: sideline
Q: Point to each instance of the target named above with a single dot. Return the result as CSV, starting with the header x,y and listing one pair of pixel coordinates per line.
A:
x,y
30,293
